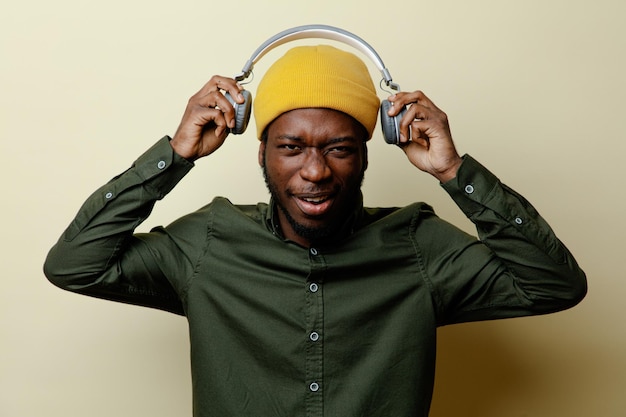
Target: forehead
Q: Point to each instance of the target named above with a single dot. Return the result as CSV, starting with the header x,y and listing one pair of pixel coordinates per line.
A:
x,y
316,124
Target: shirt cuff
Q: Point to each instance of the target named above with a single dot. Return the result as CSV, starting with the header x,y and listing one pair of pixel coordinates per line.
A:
x,y
150,178
492,206
472,187
161,159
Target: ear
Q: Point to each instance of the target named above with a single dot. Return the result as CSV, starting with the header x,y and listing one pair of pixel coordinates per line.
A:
x,y
262,153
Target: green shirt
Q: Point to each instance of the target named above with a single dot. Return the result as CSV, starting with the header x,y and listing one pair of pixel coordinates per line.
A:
x,y
343,330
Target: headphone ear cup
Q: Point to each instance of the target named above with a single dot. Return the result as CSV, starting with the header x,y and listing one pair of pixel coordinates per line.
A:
x,y
390,124
242,112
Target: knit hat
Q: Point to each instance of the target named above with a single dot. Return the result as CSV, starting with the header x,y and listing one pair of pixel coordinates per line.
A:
x,y
317,77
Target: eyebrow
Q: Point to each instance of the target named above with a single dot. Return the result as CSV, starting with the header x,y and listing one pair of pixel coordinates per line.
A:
x,y
289,137
330,142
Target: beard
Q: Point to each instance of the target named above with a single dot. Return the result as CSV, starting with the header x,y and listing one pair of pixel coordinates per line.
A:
x,y
313,234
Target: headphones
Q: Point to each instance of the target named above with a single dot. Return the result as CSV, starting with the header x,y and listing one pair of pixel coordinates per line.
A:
x,y
390,125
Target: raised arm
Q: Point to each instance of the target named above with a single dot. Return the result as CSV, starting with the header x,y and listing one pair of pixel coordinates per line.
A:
x,y
519,266
100,255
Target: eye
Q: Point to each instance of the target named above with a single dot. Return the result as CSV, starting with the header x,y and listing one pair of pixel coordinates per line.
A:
x,y
341,151
290,147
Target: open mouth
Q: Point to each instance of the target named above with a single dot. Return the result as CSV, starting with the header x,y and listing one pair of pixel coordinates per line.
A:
x,y
315,200
314,205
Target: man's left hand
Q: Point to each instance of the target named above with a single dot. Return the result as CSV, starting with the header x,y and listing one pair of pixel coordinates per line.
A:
x,y
425,135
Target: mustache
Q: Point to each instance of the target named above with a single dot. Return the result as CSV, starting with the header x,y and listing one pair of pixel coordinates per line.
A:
x,y
309,189
313,190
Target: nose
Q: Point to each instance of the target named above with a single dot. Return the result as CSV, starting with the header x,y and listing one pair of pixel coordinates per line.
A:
x,y
314,167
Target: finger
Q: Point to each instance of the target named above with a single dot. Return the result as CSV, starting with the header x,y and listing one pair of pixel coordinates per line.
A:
x,y
415,112
402,99
425,101
198,119
221,129
420,135
424,122
220,83
234,89
216,100
215,83
397,102
417,151
409,99
210,117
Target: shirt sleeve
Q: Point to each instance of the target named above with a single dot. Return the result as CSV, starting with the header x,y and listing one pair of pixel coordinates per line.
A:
x,y
517,267
98,254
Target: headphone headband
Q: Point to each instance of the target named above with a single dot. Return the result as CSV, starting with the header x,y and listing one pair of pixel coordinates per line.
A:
x,y
390,125
317,31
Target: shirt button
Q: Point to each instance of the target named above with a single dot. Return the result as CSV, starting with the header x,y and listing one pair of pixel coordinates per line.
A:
x,y
519,220
108,196
161,164
313,287
314,386
313,251
469,188
314,336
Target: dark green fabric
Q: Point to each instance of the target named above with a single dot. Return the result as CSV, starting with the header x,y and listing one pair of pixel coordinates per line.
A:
x,y
361,340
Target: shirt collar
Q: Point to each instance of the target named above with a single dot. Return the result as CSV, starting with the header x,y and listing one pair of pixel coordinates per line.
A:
x,y
348,227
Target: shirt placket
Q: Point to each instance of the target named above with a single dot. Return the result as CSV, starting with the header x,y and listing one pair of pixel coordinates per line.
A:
x,y
314,334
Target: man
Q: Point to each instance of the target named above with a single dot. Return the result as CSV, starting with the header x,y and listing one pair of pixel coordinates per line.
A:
x,y
313,305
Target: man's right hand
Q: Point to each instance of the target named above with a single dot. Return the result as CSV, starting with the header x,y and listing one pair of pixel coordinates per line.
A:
x,y
207,119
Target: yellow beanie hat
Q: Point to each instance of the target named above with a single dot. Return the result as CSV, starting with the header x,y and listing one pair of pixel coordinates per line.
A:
x,y
317,77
